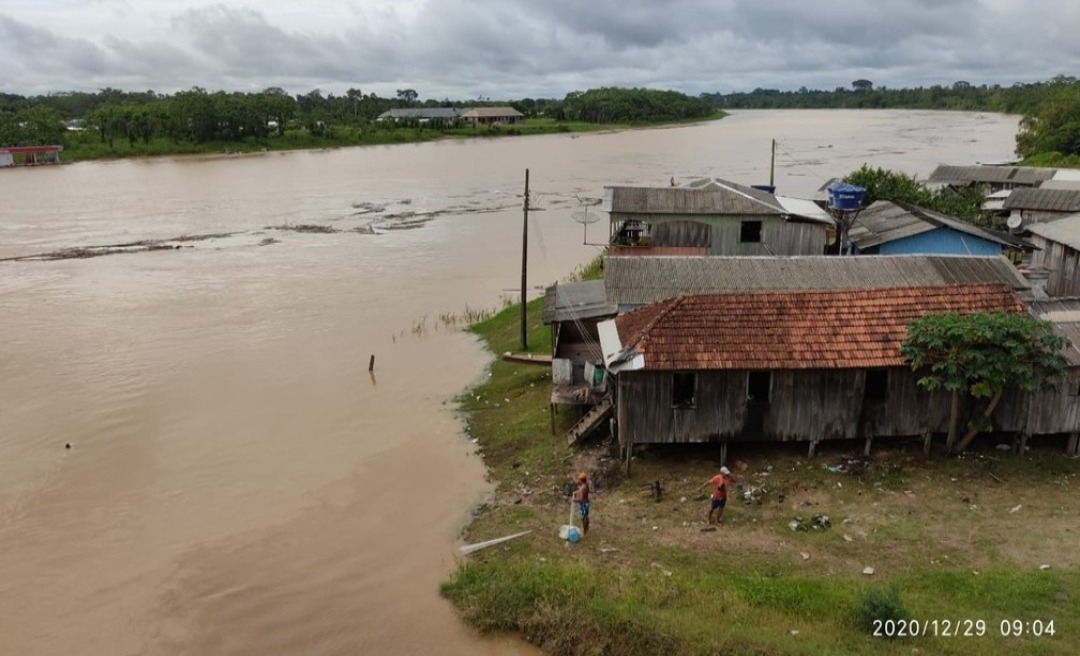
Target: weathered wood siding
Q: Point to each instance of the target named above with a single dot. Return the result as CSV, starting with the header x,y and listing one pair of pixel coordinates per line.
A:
x,y
1061,261
721,234
803,405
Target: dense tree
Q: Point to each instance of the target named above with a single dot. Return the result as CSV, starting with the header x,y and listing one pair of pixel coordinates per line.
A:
x,y
883,184
1054,125
617,105
982,356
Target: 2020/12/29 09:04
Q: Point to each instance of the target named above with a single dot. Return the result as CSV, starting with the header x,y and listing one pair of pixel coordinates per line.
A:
x,y
973,628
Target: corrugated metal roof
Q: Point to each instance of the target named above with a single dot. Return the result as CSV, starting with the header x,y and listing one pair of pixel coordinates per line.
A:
x,y
1044,200
1065,230
885,221
706,196
852,328
1029,175
639,280
491,112
422,112
1063,183
576,300
1064,313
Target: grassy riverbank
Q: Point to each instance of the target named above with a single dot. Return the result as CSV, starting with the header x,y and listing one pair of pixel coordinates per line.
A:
x,y
944,536
89,146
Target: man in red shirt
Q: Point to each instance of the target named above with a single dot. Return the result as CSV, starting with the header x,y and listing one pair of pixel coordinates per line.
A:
x,y
720,484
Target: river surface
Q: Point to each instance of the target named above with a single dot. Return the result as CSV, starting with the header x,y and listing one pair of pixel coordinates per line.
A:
x,y
237,482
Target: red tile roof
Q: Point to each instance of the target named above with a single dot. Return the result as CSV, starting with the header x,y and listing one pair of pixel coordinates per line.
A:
x,y
843,329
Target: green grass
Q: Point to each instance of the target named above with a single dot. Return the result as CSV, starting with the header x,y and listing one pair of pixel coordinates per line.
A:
x,y
629,589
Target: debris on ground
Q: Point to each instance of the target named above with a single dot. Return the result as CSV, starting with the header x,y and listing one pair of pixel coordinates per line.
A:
x,y
1015,509
1044,567
869,571
753,493
816,522
805,556
821,521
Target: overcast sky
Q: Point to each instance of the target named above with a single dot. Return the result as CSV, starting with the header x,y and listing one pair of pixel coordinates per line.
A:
x,y
507,49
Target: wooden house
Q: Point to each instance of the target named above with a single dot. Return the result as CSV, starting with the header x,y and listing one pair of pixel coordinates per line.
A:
x,y
775,366
437,116
1028,206
889,228
715,217
631,282
1059,251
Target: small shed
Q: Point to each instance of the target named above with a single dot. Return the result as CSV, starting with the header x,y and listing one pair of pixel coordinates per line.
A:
x,y
716,216
572,310
29,155
889,228
777,366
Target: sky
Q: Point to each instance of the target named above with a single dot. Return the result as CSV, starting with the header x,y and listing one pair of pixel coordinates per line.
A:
x,y
511,49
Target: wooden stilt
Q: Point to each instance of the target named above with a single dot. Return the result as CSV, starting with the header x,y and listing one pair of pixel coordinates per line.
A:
x,y
1016,444
1074,443
723,454
866,447
813,448
629,456
926,443
1023,443
552,418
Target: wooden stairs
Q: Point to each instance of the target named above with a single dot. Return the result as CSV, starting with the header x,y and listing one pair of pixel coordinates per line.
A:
x,y
592,419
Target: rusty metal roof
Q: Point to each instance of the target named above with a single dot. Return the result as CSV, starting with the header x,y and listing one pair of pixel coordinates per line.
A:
x,y
698,197
1046,200
639,280
845,329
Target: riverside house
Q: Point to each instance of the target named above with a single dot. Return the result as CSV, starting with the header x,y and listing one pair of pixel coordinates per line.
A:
x,y
712,217
781,366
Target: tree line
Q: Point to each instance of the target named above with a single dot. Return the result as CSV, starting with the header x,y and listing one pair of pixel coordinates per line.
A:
x,y
200,116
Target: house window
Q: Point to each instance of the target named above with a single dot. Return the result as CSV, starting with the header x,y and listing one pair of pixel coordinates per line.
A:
x,y
877,385
750,232
1074,388
683,387
757,386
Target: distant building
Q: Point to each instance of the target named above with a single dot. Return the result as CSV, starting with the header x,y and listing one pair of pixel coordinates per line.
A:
x,y
1059,254
477,116
445,116
1026,206
29,155
995,178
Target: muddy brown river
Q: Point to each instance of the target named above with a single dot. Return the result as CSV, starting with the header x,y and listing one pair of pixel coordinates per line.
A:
x,y
237,482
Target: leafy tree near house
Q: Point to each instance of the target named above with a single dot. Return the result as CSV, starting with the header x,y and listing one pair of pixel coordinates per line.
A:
x,y
884,184
982,356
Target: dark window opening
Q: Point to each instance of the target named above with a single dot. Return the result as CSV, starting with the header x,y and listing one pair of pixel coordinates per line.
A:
x,y
750,232
683,387
1074,388
757,386
877,385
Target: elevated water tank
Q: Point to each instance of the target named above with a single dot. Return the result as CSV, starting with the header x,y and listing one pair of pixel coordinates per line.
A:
x,y
845,197
769,189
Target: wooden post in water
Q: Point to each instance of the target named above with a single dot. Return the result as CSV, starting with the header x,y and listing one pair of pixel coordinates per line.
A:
x,y
524,263
371,363
772,164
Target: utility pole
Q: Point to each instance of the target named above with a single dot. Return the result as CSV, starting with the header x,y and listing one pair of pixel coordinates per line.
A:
x,y
772,164
524,262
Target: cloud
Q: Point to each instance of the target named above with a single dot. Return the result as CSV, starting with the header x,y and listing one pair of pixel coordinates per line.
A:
x,y
517,48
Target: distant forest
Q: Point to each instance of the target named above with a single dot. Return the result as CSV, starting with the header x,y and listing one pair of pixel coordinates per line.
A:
x,y
115,123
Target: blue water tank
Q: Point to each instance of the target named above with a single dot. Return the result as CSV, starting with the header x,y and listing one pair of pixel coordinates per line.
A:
x,y
844,196
769,189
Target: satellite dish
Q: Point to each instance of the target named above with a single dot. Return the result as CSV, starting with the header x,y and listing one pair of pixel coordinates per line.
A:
x,y
1014,221
584,217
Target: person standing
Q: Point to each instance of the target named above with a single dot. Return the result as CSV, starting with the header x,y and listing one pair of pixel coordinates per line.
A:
x,y
581,497
721,482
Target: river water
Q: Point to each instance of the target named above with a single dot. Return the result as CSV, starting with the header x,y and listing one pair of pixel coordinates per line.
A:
x,y
237,482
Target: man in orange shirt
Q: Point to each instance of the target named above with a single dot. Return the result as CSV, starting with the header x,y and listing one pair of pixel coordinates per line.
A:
x,y
720,484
